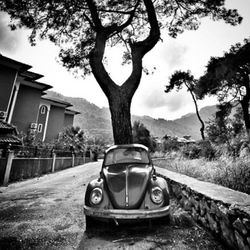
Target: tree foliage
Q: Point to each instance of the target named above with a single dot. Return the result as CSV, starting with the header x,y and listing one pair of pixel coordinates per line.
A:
x,y
142,135
177,80
228,78
83,29
72,138
225,128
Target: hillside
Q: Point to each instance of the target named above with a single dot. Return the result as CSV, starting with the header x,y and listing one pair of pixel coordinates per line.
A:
x,y
96,121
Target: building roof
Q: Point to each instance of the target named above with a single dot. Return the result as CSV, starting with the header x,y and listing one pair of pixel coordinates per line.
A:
x,y
71,111
8,134
36,85
31,75
5,61
4,126
57,102
10,139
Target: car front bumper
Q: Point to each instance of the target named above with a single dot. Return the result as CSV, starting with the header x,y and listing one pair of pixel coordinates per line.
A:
x,y
123,214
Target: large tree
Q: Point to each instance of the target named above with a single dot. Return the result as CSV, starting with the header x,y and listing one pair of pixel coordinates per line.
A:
x,y
228,78
84,28
177,80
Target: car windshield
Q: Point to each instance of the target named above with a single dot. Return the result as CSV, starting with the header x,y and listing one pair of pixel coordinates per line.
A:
x,y
126,155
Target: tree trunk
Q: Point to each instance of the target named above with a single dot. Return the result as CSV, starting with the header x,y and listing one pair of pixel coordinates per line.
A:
x,y
120,117
197,113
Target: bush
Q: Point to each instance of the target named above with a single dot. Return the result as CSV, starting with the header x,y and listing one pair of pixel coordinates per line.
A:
x,y
191,151
201,149
235,175
171,144
206,149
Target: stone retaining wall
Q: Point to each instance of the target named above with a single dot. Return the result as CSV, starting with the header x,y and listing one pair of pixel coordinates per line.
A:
x,y
223,211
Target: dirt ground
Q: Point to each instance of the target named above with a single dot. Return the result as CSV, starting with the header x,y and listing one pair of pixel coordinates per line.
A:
x,y
47,213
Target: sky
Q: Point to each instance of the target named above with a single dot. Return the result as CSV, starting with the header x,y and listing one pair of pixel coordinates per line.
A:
x,y
189,51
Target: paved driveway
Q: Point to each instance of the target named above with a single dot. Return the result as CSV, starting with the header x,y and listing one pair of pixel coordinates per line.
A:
x,y
47,213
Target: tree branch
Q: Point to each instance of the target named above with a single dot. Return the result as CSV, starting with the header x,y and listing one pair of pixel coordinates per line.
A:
x,y
114,29
94,14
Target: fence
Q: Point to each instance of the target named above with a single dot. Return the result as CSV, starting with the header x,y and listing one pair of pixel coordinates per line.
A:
x,y
24,163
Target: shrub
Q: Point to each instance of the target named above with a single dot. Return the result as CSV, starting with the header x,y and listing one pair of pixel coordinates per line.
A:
x,y
171,144
191,151
235,175
206,149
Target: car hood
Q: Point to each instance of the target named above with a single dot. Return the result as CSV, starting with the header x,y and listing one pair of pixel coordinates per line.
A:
x,y
126,184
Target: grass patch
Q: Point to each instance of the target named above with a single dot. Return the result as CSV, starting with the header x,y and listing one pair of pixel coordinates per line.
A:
x,y
225,171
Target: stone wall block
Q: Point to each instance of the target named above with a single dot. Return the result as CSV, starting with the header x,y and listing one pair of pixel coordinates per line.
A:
x,y
203,221
192,201
240,242
228,234
248,241
185,193
176,188
187,204
195,215
214,208
238,224
197,205
246,223
203,207
222,210
212,223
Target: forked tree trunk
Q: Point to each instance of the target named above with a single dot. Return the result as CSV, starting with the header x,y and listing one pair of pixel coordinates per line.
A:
x,y
120,97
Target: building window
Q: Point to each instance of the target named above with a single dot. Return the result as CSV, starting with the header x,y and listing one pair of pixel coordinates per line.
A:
x,y
40,128
43,109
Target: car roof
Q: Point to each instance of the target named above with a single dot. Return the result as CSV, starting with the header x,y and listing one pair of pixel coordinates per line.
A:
x,y
134,145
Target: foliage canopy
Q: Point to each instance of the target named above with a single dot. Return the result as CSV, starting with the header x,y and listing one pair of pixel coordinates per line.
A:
x,y
74,24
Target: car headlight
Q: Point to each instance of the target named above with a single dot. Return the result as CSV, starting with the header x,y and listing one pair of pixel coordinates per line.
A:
x,y
156,195
96,196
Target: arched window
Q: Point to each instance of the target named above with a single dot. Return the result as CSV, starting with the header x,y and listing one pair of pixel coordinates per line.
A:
x,y
43,109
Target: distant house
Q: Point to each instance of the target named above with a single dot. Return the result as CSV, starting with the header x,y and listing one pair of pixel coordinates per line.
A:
x,y
23,105
53,117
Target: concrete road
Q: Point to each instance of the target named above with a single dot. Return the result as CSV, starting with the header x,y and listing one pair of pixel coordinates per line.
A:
x,y
47,213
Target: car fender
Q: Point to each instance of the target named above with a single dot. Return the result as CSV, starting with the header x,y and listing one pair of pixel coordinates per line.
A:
x,y
105,201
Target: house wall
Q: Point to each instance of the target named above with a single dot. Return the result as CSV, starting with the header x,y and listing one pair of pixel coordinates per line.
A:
x,y
55,122
7,79
68,120
26,108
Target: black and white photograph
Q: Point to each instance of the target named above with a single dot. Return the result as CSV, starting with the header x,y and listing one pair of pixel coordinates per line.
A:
x,y
124,124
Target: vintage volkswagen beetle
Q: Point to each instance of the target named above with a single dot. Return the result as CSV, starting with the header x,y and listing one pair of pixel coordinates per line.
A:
x,y
127,189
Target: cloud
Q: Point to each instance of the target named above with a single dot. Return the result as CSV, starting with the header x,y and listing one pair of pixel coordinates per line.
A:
x,y
173,53
157,98
9,40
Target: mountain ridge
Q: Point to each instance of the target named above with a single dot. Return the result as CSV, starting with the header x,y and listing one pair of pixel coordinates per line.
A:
x,y
96,121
